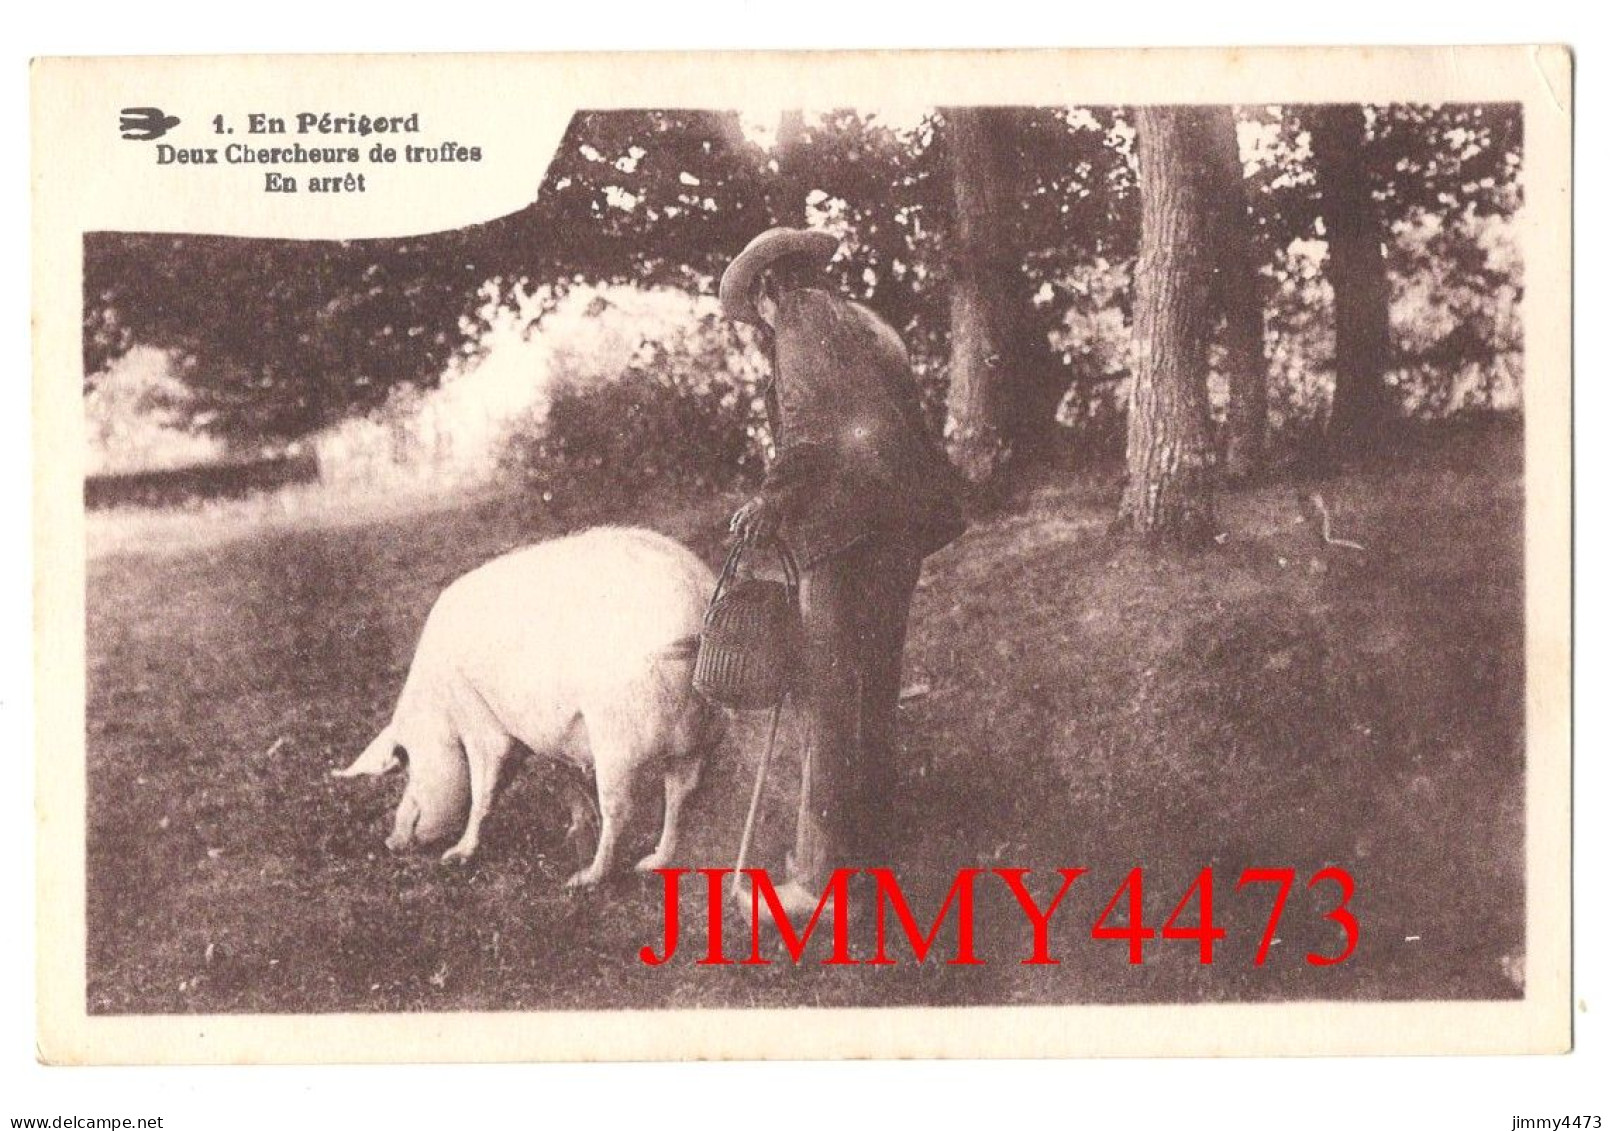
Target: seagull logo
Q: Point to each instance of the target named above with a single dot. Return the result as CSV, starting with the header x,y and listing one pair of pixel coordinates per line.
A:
x,y
145,123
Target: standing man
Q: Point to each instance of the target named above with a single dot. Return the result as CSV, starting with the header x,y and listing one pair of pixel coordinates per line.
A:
x,y
860,495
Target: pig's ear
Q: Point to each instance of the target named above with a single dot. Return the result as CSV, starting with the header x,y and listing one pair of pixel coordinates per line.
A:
x,y
379,757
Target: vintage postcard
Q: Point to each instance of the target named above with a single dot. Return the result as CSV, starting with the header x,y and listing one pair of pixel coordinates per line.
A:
x,y
803,555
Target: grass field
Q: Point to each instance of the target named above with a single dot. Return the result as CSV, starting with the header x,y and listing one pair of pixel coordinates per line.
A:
x,y
1272,702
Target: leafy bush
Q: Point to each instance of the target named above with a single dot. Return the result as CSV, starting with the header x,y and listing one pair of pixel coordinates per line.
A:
x,y
448,434
140,416
661,390
1456,311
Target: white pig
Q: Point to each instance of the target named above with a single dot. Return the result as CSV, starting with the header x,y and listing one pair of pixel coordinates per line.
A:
x,y
578,648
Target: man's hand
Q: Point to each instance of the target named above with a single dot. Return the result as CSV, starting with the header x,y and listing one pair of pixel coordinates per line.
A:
x,y
755,523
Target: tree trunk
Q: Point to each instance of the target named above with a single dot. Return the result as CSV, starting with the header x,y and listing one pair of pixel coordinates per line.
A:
x,y
1236,284
986,282
1170,491
1362,406
786,189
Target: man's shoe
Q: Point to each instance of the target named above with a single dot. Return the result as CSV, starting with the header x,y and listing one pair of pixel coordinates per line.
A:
x,y
797,901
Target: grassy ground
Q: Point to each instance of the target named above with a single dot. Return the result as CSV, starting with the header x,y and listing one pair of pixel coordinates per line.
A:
x,y
1272,702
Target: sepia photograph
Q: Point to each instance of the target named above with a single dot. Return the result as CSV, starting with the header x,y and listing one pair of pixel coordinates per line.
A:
x,y
837,555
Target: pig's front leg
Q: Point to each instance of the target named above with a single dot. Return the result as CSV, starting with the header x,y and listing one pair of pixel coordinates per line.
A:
x,y
682,776
486,756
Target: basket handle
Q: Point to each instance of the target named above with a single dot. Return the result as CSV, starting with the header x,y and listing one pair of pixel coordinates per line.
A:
x,y
731,566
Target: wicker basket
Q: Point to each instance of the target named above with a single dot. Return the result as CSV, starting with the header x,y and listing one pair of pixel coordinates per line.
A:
x,y
751,638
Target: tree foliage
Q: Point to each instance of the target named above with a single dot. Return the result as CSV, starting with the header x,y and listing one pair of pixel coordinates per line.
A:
x,y
282,338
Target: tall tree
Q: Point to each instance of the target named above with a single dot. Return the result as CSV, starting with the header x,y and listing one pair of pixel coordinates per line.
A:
x,y
981,285
787,186
988,355
1169,493
1362,406
1237,290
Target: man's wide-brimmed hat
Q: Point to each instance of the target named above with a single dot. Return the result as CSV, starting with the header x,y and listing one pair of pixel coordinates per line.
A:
x,y
738,288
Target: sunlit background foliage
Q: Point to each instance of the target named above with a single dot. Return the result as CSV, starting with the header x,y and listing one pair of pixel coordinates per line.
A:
x,y
576,344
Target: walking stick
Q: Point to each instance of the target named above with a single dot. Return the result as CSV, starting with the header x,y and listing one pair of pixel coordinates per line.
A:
x,y
755,796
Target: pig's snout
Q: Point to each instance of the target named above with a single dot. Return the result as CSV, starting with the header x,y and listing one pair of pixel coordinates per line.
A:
x,y
408,818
